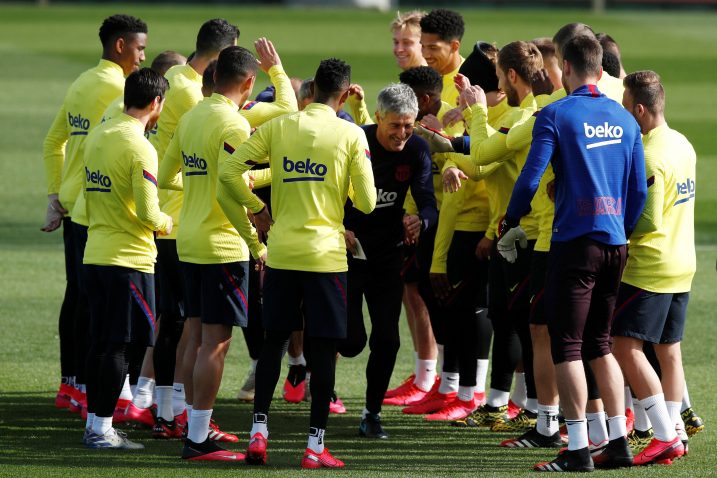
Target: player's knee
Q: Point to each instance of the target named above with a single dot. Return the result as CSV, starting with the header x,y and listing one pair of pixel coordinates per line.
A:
x,y
351,347
594,349
565,351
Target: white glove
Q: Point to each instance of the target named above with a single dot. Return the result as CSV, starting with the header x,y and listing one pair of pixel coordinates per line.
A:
x,y
506,244
437,143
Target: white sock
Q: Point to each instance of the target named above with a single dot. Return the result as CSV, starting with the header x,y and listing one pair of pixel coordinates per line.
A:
x,y
101,425
260,424
199,426
449,382
497,398
656,409
178,399
465,393
440,357
628,398
189,414
520,393
90,420
531,405
415,362
673,409
685,399
617,427
365,412
481,374
316,439
577,434
642,422
300,360
425,374
133,390
547,423
252,364
142,397
597,428
126,393
165,409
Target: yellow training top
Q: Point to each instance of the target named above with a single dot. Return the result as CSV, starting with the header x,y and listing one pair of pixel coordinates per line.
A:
x,y
314,158
185,91
205,137
81,111
450,92
121,196
489,147
661,253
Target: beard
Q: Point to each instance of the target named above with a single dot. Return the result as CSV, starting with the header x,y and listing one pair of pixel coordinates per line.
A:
x,y
512,96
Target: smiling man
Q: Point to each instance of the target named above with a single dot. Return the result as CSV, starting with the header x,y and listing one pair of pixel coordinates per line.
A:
x,y
399,160
441,35
406,30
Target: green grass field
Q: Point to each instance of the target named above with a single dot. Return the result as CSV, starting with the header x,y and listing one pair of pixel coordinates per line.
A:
x,y
43,50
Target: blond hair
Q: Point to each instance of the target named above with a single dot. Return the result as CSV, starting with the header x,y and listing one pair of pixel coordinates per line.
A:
x,y
408,21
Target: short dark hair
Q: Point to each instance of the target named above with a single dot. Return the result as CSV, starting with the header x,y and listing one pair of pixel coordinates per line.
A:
x,y
523,57
166,60
646,89
143,86
447,24
215,35
208,75
118,26
608,43
332,76
545,46
584,54
610,63
423,80
234,65
571,30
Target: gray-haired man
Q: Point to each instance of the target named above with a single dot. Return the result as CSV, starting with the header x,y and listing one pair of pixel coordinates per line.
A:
x,y
399,160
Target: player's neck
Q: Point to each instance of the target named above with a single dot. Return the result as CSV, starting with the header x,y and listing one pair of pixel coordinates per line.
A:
x,y
649,123
237,95
453,64
200,63
141,115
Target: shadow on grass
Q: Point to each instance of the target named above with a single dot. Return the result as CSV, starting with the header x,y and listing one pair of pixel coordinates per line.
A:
x,y
36,433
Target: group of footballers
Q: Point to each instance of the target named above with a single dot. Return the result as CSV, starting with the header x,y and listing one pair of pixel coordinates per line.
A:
x,y
492,197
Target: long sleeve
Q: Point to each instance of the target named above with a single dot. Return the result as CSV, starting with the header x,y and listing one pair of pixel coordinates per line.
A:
x,y
472,170
258,113
651,217
170,171
541,151
422,190
144,189
262,178
232,189
452,205
53,151
637,187
487,145
361,174
358,109
234,212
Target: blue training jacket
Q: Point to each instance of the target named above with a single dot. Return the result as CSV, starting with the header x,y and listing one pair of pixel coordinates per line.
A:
x,y
595,147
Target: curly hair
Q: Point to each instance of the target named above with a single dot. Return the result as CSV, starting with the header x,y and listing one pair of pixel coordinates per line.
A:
x,y
423,80
332,76
118,26
447,24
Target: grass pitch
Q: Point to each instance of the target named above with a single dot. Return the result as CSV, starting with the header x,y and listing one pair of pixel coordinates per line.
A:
x,y
43,50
